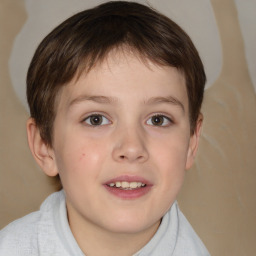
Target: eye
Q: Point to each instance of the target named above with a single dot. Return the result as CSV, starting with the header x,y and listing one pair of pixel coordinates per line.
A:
x,y
96,120
159,120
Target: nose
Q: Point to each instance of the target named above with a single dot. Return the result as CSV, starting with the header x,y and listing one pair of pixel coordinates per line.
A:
x,y
130,145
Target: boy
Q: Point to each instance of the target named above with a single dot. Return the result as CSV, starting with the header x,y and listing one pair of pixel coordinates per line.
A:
x,y
115,95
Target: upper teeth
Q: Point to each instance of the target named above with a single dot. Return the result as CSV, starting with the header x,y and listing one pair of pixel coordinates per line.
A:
x,y
127,185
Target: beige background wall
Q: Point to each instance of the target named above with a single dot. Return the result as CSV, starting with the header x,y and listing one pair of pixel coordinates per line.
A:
x,y
219,194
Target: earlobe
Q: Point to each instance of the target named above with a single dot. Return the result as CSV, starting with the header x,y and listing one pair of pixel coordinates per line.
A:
x,y
42,153
194,142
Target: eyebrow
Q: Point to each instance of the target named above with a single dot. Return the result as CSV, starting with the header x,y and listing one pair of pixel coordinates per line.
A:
x,y
98,99
112,100
169,100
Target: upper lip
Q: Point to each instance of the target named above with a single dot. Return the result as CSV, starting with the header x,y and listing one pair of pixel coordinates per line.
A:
x,y
128,178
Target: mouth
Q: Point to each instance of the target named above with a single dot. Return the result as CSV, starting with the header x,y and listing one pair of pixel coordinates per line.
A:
x,y
127,187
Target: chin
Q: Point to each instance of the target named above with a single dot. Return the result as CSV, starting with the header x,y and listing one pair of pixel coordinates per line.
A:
x,y
131,225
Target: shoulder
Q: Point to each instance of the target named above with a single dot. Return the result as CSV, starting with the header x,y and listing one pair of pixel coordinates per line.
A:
x,y
21,236
188,242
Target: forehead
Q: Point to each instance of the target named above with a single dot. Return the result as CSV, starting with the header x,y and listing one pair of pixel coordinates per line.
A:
x,y
122,74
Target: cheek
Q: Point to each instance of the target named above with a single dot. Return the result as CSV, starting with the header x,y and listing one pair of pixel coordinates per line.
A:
x,y
91,152
171,157
78,157
173,170
172,151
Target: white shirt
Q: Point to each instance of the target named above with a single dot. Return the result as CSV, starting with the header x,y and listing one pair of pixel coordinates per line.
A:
x,y
47,232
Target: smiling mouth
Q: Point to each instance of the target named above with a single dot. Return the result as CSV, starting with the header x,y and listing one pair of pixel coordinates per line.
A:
x,y
125,185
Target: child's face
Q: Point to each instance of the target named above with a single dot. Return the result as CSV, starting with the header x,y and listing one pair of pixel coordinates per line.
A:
x,y
126,122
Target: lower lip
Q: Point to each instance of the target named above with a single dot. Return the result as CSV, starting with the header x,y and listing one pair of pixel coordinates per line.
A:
x,y
129,194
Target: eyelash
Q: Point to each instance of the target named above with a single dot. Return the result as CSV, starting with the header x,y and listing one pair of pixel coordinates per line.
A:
x,y
99,116
165,122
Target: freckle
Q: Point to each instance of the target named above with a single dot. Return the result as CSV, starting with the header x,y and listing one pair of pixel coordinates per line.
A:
x,y
82,156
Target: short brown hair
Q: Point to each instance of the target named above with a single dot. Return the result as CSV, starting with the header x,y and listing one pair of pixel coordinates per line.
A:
x,y
86,38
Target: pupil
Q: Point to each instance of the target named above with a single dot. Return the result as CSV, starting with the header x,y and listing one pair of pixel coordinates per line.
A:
x,y
96,120
157,120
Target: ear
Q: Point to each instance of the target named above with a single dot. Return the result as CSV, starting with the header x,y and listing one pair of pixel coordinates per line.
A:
x,y
41,151
193,143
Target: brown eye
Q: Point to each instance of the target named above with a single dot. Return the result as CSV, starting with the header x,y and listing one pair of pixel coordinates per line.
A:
x,y
159,120
96,120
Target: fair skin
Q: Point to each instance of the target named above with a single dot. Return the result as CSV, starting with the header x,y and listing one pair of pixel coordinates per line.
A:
x,y
125,123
